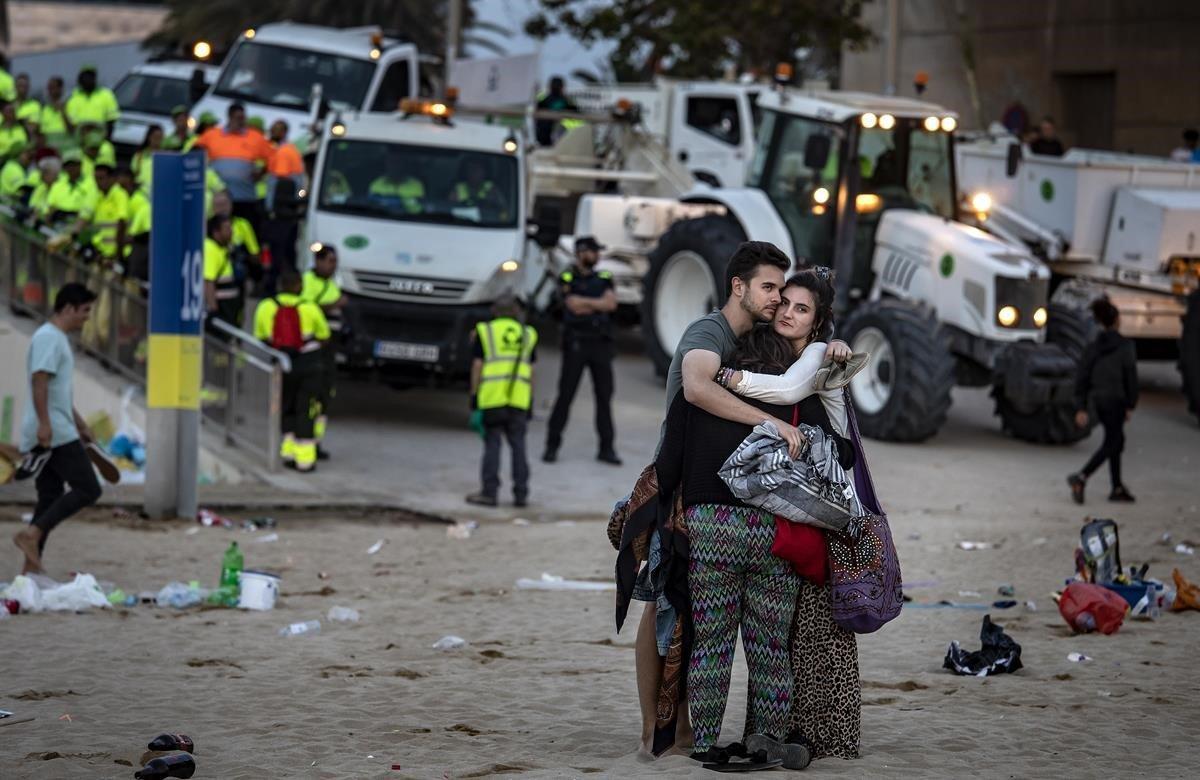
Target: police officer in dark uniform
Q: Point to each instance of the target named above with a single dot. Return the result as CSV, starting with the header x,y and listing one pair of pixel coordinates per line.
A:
x,y
588,301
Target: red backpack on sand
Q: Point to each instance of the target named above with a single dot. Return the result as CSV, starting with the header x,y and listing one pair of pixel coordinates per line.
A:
x,y
285,330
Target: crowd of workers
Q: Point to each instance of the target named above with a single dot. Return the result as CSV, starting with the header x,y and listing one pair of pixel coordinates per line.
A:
x,y
62,176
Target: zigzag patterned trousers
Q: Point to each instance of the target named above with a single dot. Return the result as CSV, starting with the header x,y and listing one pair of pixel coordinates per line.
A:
x,y
735,582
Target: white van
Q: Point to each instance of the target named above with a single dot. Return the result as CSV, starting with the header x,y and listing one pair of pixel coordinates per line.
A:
x,y
273,70
420,270
148,92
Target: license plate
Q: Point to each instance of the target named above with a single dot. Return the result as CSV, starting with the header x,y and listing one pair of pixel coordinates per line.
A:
x,y
399,350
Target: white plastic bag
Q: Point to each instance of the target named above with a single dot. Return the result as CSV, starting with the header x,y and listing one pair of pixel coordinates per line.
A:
x,y
25,591
450,642
83,593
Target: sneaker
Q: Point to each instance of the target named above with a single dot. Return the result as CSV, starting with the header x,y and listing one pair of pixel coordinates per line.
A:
x,y
32,463
1119,493
1076,481
609,457
550,455
793,752
482,499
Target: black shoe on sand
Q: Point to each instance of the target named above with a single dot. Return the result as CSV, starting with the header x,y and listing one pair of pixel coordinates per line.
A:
x,y
793,754
1077,482
1120,494
550,455
482,499
609,457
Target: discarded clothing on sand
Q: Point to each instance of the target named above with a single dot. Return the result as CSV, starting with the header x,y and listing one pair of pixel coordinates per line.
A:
x,y
998,655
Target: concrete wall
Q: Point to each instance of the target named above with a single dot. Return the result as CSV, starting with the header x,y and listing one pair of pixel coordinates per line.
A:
x,y
1118,74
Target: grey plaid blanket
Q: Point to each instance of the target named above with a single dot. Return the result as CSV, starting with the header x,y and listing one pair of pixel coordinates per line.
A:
x,y
813,489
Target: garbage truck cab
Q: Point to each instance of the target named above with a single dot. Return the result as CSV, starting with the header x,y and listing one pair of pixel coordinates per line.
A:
x,y
277,71
428,218
865,184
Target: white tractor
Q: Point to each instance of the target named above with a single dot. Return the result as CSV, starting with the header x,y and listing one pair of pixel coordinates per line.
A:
x,y
1116,225
864,184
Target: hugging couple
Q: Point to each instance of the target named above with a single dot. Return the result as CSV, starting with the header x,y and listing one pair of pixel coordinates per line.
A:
x,y
702,560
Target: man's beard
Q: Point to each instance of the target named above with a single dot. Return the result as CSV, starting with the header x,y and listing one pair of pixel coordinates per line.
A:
x,y
760,314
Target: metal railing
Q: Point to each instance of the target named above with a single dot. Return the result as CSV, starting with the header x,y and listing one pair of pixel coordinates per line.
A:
x,y
242,378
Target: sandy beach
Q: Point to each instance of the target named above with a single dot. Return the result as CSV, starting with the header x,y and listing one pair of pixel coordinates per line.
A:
x,y
545,687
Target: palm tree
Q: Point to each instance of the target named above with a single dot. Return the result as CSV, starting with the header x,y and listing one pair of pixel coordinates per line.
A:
x,y
221,21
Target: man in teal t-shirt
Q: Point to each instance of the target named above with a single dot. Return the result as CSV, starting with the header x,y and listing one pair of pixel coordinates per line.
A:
x,y
52,432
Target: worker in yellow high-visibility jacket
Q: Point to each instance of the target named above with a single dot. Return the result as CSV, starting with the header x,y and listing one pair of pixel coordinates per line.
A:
x,y
502,396
296,327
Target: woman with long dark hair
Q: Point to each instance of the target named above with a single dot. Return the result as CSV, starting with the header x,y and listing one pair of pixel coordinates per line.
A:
x,y
780,362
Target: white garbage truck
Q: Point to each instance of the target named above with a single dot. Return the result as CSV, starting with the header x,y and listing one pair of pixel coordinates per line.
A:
x,y
428,219
294,71
865,184
1122,226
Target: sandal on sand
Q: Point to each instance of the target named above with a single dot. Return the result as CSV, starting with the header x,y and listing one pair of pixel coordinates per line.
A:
x,y
794,753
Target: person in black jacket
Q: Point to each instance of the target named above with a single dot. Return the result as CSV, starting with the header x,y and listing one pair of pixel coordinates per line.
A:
x,y
1107,380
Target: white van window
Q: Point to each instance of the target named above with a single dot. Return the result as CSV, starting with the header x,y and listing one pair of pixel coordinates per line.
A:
x,y
152,94
419,184
283,76
715,116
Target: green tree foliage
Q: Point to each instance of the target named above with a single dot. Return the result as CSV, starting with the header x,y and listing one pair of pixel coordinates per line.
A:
x,y
702,38
221,21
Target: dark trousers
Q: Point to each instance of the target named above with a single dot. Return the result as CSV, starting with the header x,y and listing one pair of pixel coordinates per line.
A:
x,y
509,424
1112,418
596,355
303,387
68,465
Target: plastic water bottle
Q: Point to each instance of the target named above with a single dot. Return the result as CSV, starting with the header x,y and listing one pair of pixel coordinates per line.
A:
x,y
178,765
307,627
231,567
172,742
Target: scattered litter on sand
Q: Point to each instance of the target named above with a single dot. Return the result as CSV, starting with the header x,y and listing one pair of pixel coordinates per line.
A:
x,y
1184,549
450,642
999,654
461,530
974,545
553,582
343,614
375,547
1078,657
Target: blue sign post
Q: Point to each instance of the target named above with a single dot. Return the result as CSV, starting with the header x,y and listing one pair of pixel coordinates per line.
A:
x,y
176,346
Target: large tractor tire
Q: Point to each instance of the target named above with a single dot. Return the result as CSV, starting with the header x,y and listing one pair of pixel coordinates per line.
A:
x,y
1047,373
686,280
904,392
1189,354
1071,328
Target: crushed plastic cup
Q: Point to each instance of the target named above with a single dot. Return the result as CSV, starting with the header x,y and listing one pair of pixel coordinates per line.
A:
x,y
553,582
296,629
1077,658
180,596
343,615
375,547
461,530
450,642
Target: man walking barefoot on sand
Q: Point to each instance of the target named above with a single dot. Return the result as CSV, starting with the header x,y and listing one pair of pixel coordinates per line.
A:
x,y
51,429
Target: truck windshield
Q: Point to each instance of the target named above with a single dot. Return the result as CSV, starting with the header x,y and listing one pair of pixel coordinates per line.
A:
x,y
419,184
906,167
152,94
282,76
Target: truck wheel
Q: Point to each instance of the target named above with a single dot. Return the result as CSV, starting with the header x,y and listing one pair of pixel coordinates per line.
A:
x,y
685,281
1040,421
1189,354
1071,328
904,392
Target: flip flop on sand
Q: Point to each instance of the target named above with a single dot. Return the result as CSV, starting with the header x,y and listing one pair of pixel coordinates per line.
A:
x,y
107,469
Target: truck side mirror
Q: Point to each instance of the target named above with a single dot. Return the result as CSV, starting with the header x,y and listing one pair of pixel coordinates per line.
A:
x,y
1014,160
816,152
